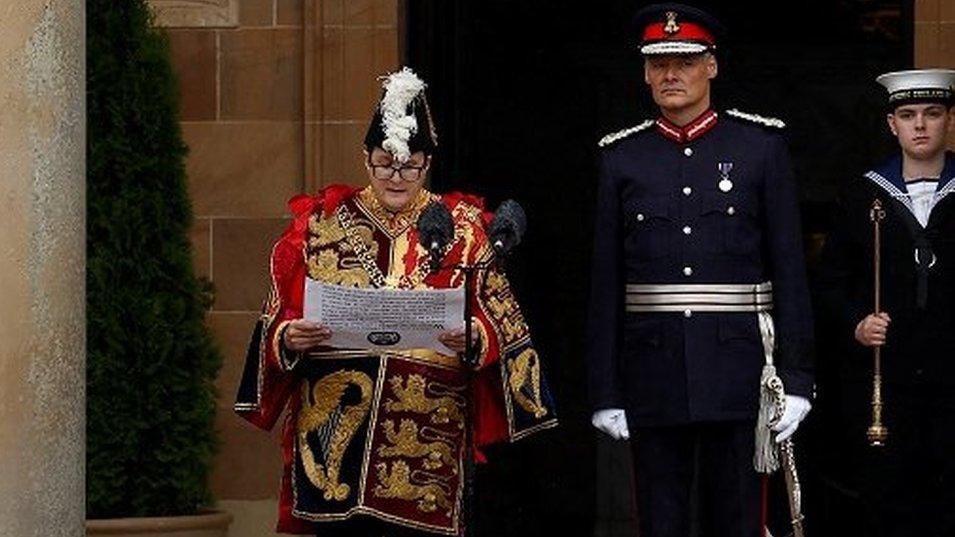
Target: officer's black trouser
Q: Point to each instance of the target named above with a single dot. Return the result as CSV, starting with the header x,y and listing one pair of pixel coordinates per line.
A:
x,y
697,478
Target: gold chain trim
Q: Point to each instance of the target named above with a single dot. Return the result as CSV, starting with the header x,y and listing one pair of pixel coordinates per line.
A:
x,y
366,255
358,244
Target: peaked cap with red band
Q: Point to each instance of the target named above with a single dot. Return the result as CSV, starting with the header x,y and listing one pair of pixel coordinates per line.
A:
x,y
676,29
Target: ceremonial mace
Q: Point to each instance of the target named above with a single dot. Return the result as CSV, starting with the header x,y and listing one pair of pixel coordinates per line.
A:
x,y
877,432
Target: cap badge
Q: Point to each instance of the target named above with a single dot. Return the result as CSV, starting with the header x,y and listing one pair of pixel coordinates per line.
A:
x,y
725,184
671,27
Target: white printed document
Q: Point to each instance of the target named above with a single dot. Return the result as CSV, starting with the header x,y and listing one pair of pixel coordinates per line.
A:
x,y
384,318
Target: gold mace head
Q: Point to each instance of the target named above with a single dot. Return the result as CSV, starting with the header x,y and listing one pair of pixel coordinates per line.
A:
x,y
876,213
877,435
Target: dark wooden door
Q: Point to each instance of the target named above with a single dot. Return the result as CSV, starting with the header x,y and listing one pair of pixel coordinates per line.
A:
x,y
522,91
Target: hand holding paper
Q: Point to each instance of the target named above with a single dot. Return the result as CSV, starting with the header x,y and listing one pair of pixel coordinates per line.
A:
x,y
385,318
302,335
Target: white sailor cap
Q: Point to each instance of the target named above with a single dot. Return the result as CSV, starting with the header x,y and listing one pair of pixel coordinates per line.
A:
x,y
919,85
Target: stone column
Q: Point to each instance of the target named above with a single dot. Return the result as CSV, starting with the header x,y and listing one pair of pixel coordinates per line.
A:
x,y
42,269
935,38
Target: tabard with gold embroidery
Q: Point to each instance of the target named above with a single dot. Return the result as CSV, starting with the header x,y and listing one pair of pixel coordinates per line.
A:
x,y
383,434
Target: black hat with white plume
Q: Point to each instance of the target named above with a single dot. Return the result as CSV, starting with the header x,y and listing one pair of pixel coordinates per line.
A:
x,y
402,123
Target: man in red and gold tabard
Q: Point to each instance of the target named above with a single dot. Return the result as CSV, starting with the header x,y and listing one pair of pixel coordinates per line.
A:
x,y
374,441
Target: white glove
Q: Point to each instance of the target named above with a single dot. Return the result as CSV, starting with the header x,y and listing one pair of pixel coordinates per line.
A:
x,y
796,409
612,421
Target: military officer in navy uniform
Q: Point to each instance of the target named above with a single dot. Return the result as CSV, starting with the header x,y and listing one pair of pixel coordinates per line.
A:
x,y
698,274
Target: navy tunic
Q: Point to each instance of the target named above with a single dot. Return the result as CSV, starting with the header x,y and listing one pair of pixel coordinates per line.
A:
x,y
721,207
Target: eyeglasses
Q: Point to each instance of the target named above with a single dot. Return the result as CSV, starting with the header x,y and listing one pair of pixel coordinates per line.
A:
x,y
385,172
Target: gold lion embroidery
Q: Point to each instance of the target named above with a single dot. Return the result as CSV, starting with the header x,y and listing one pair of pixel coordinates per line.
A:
x,y
504,312
325,266
405,443
429,490
412,396
329,256
324,231
335,426
524,378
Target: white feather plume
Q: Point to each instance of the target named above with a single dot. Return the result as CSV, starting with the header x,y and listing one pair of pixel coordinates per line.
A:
x,y
401,88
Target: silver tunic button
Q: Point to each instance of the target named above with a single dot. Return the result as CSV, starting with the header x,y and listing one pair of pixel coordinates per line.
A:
x,y
687,271
687,230
731,210
687,313
640,217
687,191
688,151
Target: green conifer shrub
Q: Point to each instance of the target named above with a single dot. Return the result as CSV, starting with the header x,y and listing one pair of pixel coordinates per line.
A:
x,y
151,358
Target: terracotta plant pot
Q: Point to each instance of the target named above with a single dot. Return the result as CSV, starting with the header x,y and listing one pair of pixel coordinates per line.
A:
x,y
206,524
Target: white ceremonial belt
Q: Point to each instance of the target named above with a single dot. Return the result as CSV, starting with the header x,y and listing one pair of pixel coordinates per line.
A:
x,y
699,297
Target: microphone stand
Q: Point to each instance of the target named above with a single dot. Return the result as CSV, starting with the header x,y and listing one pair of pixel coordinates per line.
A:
x,y
470,359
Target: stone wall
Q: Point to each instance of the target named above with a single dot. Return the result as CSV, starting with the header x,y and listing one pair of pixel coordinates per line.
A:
x,y
276,96
935,36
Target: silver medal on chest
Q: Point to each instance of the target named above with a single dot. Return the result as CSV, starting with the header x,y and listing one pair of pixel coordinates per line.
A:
x,y
725,184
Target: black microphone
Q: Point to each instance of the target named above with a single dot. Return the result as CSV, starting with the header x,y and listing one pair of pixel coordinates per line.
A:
x,y
436,229
507,228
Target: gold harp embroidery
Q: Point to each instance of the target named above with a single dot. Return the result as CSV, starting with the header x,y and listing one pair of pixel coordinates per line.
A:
x,y
412,396
437,451
335,425
524,378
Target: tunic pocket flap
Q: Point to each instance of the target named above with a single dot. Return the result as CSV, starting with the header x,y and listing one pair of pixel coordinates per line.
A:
x,y
645,209
729,203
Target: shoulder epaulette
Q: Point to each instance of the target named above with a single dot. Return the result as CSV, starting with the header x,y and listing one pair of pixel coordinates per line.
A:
x,y
755,118
621,134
